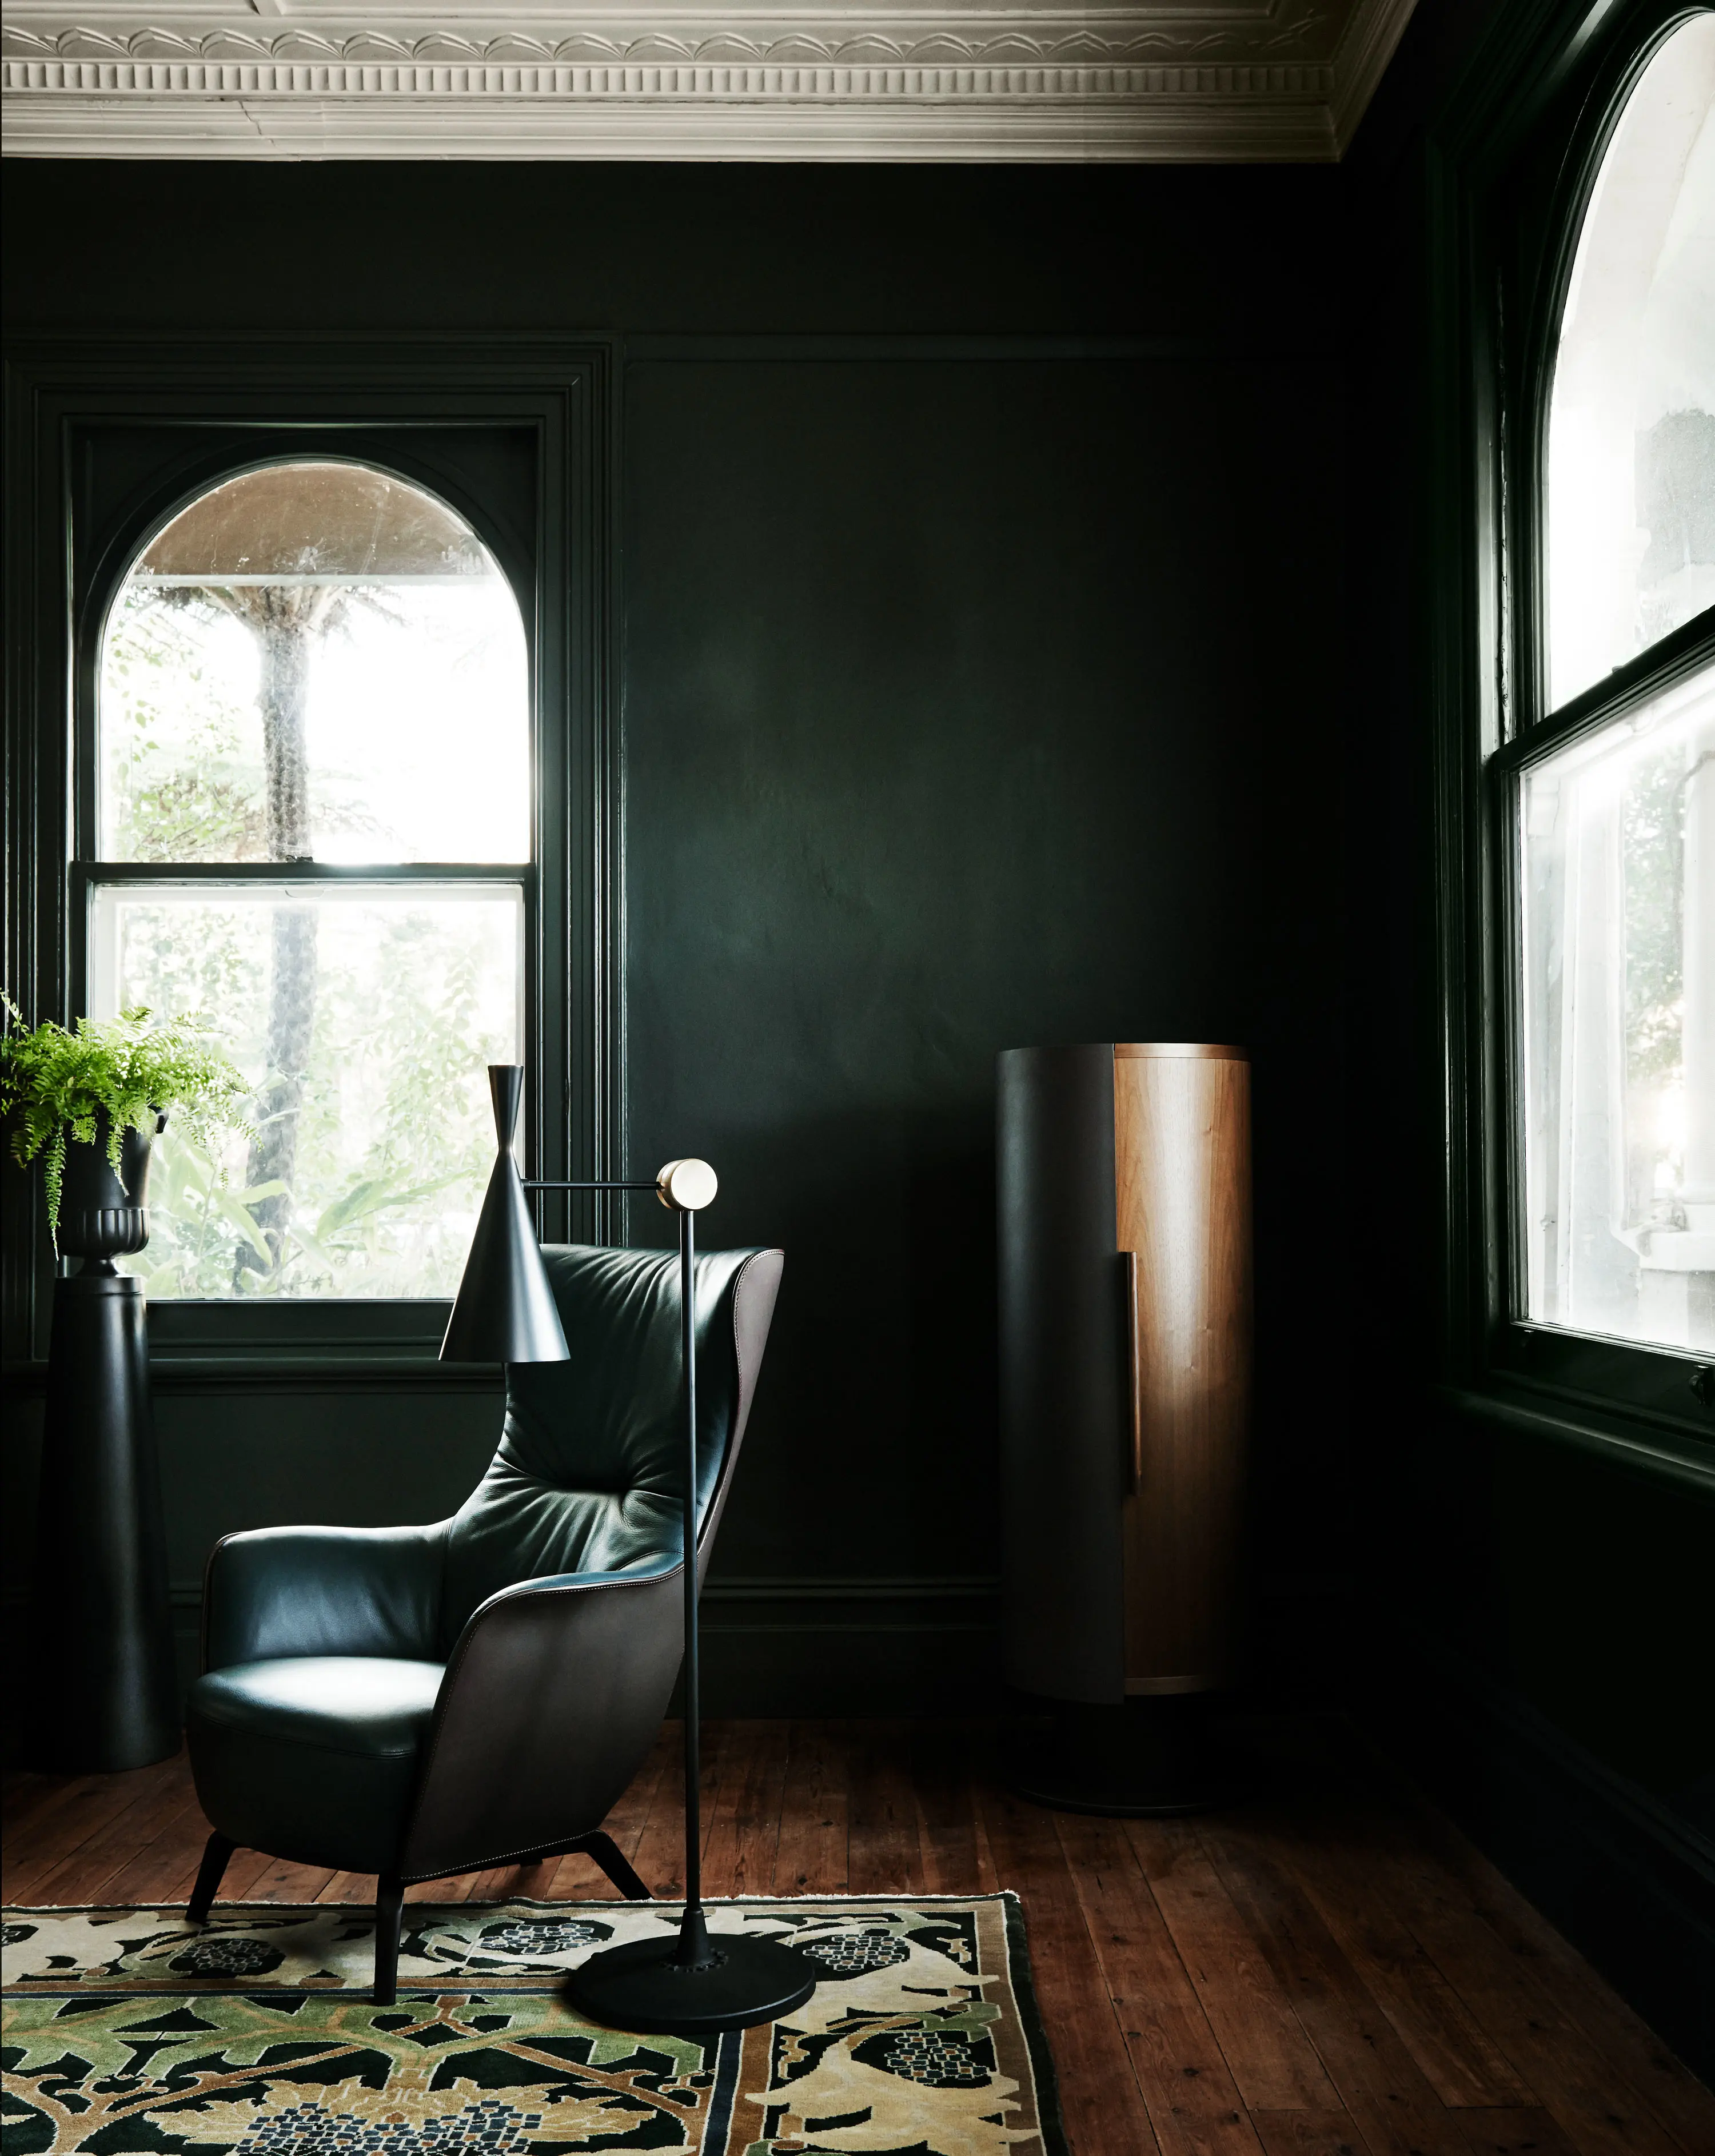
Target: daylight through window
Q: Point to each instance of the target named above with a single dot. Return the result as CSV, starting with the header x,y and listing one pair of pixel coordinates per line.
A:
x,y
1631,433
313,669
1617,819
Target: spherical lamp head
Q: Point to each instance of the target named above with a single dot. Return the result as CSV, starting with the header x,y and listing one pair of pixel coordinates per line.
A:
x,y
686,1186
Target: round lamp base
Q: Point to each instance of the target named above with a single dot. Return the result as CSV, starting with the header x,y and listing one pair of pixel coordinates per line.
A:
x,y
640,1986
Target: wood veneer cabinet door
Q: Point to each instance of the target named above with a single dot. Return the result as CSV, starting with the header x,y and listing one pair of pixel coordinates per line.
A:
x,y
1182,1175
1124,1187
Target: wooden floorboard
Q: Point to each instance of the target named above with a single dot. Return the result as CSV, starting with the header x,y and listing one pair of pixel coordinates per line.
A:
x,y
884,1846
945,1761
744,1828
1389,2098
1273,2063
1103,2105
1614,2031
1580,2083
1187,2080
1461,2063
1327,1969
813,1854
89,1803
1308,2133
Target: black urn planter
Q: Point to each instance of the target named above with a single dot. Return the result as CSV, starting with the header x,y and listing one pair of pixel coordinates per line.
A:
x,y
107,1696
102,1215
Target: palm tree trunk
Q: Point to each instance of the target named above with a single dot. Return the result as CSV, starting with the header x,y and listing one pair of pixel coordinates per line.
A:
x,y
286,621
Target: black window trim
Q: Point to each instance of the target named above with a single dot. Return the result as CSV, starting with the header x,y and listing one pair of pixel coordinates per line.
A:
x,y
376,405
1511,162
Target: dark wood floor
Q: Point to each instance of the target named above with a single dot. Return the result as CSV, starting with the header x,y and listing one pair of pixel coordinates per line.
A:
x,y
1327,1968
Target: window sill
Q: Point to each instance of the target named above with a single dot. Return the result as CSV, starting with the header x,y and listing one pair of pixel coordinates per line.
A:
x,y
172,1375
1634,1444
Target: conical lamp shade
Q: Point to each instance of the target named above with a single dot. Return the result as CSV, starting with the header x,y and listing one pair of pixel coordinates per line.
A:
x,y
505,1312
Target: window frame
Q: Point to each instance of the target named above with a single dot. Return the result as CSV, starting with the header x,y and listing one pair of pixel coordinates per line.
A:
x,y
107,442
192,1323
1512,169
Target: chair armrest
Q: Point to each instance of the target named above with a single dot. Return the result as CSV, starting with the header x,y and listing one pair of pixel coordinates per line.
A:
x,y
280,1591
552,1698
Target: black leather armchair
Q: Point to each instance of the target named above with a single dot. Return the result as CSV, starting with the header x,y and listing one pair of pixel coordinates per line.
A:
x,y
419,1701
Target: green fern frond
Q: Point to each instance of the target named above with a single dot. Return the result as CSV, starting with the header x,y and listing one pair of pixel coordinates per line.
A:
x,y
56,1084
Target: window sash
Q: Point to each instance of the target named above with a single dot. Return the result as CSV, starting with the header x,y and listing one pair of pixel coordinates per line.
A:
x,y
202,1314
1581,1147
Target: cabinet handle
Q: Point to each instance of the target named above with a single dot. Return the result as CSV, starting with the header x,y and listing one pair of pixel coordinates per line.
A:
x,y
1133,1375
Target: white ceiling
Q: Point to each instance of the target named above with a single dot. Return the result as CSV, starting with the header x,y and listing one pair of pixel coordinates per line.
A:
x,y
1209,80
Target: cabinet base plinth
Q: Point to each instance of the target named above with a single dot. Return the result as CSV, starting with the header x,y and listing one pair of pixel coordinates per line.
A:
x,y
1151,1757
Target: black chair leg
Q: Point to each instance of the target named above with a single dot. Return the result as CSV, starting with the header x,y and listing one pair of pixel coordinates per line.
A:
x,y
389,1914
601,1847
216,1852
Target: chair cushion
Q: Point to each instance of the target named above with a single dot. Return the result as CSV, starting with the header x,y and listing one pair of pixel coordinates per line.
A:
x,y
313,1757
590,1472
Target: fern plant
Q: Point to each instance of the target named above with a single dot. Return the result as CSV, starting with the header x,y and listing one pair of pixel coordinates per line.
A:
x,y
56,1084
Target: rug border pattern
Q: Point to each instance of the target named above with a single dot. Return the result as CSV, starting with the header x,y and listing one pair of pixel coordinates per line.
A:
x,y
1049,2119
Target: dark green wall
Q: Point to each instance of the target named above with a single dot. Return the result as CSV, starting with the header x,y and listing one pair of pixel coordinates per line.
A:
x,y
992,718
735,249
978,558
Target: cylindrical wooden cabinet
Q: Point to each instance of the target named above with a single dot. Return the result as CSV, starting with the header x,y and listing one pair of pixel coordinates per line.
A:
x,y
1125,1372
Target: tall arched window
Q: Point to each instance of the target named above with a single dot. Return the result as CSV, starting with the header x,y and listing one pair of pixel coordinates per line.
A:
x,y
312,755
1614,793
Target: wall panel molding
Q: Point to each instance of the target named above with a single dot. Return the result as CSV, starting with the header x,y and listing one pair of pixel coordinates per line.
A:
x,y
1286,80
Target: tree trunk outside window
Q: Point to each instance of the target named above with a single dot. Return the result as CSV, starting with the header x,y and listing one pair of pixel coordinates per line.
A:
x,y
286,621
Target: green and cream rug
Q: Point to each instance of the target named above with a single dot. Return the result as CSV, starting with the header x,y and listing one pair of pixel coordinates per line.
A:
x,y
128,2030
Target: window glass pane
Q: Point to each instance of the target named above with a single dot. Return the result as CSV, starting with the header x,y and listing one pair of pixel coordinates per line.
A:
x,y
315,661
1631,432
1619,981
366,1017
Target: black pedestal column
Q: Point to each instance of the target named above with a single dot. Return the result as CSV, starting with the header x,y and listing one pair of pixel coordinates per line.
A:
x,y
106,1689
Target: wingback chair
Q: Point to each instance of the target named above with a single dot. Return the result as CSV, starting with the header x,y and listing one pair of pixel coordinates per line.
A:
x,y
419,1701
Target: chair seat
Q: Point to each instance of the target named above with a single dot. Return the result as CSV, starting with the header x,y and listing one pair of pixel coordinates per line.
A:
x,y
313,1757
358,1703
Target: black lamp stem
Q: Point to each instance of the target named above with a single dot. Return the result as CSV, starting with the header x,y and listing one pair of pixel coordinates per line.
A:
x,y
700,1986
694,1949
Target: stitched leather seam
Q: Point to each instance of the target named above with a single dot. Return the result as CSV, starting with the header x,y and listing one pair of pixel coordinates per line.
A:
x,y
746,1378
207,1604
316,1744
740,1415
737,1350
726,1457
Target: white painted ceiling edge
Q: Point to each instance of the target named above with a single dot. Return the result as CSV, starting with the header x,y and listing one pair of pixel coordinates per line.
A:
x,y
1250,81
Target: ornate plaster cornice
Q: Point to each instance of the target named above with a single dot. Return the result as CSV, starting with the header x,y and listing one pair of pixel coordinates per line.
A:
x,y
1272,80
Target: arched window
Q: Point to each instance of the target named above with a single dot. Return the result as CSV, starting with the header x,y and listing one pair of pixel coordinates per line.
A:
x,y
312,754
1615,793
1631,425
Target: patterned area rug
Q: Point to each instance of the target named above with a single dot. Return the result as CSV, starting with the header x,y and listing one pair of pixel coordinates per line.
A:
x,y
129,2030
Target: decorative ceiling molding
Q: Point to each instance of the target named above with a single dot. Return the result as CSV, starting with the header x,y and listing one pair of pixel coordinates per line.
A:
x,y
1275,80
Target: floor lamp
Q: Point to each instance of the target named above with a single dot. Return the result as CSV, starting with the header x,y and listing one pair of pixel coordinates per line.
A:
x,y
505,1313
